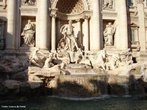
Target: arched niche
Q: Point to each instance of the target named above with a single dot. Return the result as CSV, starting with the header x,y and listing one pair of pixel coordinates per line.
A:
x,y
63,11
55,2
70,10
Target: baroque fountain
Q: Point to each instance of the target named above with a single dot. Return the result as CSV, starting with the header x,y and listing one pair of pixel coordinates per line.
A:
x,y
73,72
76,74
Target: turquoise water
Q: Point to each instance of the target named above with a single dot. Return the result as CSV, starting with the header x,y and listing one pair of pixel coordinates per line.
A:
x,y
50,103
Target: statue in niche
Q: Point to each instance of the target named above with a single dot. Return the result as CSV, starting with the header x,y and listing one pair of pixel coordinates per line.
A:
x,y
68,38
29,34
108,4
108,34
68,43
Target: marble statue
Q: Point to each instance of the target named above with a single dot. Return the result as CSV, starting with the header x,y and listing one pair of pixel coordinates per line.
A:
x,y
67,45
48,62
108,4
68,38
100,61
63,56
144,72
108,34
113,62
85,60
35,59
28,34
62,46
126,58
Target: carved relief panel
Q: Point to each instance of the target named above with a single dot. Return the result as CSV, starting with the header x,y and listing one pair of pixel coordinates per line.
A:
x,y
28,2
108,4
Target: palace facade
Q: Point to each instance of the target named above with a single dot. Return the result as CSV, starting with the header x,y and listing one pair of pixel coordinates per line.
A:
x,y
97,24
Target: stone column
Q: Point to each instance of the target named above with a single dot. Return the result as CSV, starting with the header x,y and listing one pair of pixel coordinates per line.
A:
x,y
86,34
79,33
95,39
11,29
53,33
122,26
38,25
44,18
58,29
141,16
18,27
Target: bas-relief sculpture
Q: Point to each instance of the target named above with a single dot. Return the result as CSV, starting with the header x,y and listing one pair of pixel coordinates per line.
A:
x,y
108,4
29,2
28,34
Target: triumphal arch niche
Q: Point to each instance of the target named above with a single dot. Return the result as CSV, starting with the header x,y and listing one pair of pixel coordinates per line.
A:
x,y
71,19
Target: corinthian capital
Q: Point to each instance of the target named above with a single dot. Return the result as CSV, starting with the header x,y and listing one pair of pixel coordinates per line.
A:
x,y
54,15
53,12
86,17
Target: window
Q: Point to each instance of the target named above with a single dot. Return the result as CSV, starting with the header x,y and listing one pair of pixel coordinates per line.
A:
x,y
135,37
